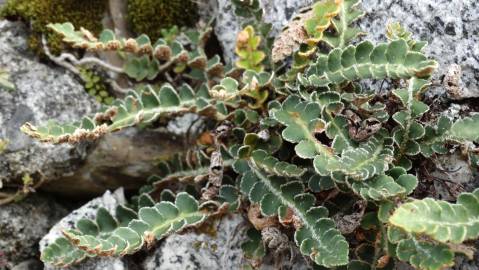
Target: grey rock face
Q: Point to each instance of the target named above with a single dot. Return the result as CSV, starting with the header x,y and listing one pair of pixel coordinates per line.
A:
x,y
41,93
110,201
23,224
201,251
450,26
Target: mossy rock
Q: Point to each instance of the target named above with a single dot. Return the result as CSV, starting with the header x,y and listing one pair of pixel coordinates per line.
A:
x,y
39,13
150,16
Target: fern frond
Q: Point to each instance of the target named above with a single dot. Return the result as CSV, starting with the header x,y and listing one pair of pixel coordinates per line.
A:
x,y
348,14
153,223
273,166
302,121
384,187
425,255
442,221
317,236
144,107
368,159
420,253
366,61
466,129
150,58
247,49
63,253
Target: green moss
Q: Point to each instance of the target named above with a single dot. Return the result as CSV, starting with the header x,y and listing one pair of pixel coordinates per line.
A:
x,y
150,16
95,86
39,13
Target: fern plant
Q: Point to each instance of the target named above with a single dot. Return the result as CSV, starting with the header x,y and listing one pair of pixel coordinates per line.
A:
x,y
302,145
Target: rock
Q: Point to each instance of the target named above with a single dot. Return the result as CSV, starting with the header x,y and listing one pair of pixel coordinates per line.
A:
x,y
452,172
23,224
450,27
216,251
41,93
125,159
228,24
454,85
110,201
201,251
29,265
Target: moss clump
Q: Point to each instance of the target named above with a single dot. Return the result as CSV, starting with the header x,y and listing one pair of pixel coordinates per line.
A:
x,y
150,16
39,13
95,86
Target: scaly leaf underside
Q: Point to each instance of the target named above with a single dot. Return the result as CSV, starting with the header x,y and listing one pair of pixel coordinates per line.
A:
x,y
144,107
153,223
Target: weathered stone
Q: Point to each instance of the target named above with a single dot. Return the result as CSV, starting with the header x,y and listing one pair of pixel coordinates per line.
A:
x,y
23,224
202,251
109,201
450,27
41,93
125,159
452,172
220,250
433,22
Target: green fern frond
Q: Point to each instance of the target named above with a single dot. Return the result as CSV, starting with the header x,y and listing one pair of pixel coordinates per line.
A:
x,y
442,221
367,160
63,253
106,237
317,237
302,121
348,14
366,61
144,107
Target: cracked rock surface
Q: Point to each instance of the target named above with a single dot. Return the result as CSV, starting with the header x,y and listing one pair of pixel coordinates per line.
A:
x,y
41,93
451,28
23,224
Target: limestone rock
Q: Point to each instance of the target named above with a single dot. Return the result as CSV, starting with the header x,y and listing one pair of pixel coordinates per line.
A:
x,y
23,224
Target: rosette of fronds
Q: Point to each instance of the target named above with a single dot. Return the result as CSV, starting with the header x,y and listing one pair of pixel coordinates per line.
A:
x,y
306,151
